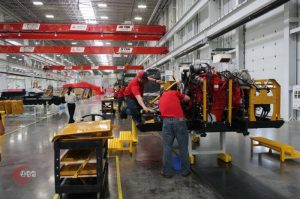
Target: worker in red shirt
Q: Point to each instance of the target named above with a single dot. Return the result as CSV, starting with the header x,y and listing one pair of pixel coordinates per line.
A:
x,y
134,95
174,126
121,96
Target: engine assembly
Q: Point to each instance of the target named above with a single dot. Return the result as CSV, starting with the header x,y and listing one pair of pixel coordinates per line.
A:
x,y
225,101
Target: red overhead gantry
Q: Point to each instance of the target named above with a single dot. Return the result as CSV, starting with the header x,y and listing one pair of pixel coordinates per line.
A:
x,y
79,36
81,31
58,67
82,50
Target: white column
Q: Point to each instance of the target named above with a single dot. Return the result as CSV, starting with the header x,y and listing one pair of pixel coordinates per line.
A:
x,y
290,11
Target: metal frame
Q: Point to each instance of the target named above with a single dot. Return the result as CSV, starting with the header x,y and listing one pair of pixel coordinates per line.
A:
x,y
100,187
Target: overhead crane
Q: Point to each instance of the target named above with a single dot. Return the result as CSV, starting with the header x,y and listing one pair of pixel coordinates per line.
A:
x,y
82,50
81,31
128,67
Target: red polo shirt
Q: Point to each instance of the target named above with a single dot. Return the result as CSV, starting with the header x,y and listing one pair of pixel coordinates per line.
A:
x,y
134,88
121,92
169,104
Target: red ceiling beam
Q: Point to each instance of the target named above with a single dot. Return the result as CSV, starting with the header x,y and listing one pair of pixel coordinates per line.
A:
x,y
93,67
82,50
82,28
77,36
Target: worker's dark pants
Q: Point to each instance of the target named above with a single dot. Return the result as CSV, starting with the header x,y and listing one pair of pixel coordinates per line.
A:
x,y
134,109
120,101
71,108
175,128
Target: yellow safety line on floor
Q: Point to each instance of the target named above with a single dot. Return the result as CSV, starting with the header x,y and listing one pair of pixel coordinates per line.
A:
x,y
120,193
55,196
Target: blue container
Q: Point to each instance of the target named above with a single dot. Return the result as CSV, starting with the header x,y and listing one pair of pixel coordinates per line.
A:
x,y
176,162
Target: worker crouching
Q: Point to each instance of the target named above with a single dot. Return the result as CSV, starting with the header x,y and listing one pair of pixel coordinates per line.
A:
x,y
174,126
134,95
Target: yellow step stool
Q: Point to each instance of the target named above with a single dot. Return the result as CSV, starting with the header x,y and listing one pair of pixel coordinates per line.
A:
x,y
126,138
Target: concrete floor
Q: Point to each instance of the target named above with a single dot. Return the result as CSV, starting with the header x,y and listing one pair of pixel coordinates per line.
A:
x,y
261,176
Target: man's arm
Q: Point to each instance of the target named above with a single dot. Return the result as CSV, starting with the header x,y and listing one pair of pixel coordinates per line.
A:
x,y
141,102
186,98
155,80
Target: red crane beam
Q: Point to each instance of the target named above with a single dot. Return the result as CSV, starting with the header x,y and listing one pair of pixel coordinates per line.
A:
x,y
82,28
82,50
58,67
79,36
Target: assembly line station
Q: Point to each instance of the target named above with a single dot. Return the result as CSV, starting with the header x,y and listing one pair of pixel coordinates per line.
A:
x,y
152,99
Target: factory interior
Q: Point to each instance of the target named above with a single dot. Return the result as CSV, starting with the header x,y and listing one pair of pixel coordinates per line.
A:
x,y
149,99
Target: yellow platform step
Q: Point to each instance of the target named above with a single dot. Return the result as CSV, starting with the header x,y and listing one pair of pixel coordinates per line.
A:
x,y
126,138
114,144
286,151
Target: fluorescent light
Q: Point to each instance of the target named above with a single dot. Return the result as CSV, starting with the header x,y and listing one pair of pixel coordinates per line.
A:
x,y
58,55
74,43
85,55
38,3
49,16
104,17
20,59
143,6
102,5
7,55
129,44
14,57
138,18
107,43
87,11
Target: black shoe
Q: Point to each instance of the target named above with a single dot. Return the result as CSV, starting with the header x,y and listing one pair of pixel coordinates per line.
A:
x,y
186,174
165,175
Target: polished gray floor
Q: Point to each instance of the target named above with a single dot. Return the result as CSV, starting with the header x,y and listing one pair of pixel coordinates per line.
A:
x,y
28,144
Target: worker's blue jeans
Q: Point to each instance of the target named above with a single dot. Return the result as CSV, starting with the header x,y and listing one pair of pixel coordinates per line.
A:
x,y
134,109
120,102
175,128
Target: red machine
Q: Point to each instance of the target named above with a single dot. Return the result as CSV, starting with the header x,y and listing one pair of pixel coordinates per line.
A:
x,y
217,92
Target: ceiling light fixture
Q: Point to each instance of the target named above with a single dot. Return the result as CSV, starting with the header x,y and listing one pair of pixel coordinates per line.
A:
x,y
107,43
50,16
102,5
138,18
87,11
142,6
38,3
104,17
74,43
129,44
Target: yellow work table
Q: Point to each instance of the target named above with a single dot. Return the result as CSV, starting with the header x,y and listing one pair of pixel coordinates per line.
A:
x,y
86,130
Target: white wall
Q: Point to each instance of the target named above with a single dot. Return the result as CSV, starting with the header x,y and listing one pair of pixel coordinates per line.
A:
x,y
265,52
